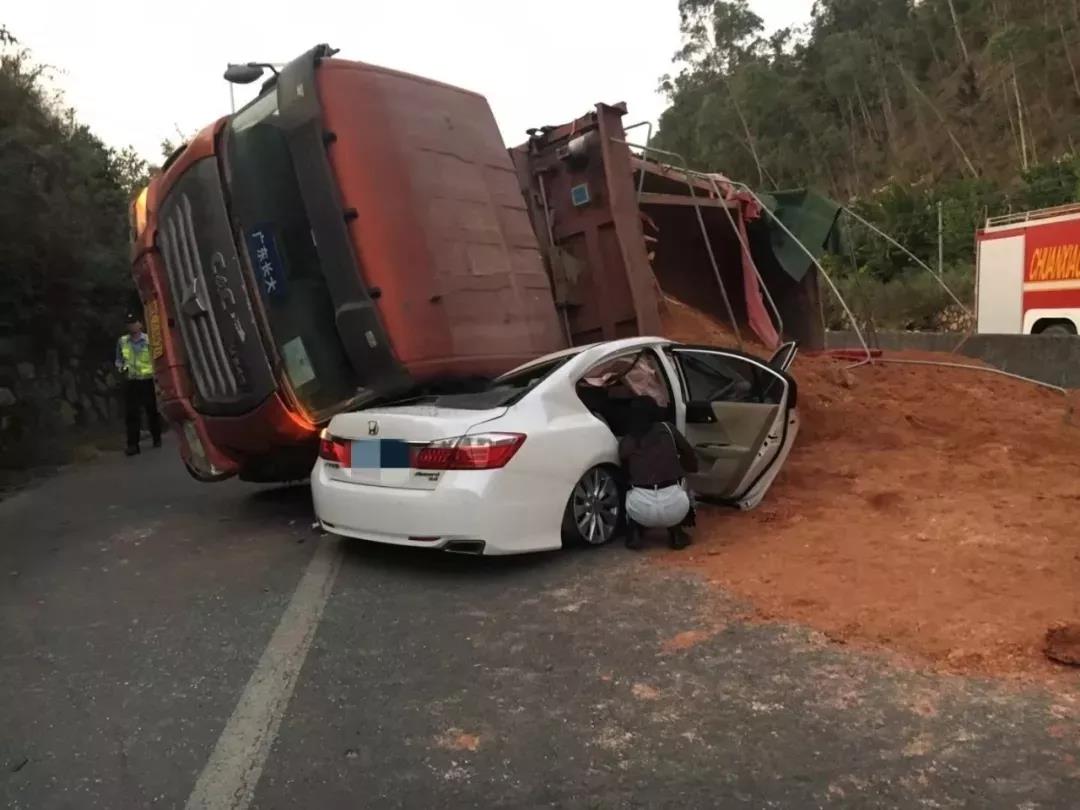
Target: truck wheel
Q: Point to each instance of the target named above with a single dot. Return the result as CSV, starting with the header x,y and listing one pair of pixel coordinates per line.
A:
x,y
1059,330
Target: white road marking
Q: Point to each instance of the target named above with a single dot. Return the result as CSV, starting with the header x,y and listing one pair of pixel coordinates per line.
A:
x,y
229,779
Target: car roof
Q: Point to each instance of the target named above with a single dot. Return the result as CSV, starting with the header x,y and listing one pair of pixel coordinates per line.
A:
x,y
593,349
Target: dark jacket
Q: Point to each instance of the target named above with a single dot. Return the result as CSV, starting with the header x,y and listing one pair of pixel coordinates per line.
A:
x,y
660,456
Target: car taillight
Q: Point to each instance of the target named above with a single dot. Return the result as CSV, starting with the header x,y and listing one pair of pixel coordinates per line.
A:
x,y
484,451
331,448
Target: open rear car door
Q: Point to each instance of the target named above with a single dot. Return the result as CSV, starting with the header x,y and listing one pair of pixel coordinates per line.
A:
x,y
741,420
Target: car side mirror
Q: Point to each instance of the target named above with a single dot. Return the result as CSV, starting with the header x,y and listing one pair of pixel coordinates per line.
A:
x,y
700,413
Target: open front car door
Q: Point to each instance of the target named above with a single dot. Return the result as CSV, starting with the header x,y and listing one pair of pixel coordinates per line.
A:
x,y
784,356
741,420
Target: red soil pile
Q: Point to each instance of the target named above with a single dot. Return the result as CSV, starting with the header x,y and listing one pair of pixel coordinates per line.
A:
x,y
927,510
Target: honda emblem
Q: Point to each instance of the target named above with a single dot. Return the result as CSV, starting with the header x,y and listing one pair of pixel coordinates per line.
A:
x,y
373,428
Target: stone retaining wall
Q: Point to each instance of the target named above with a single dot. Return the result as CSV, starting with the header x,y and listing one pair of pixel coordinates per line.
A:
x,y
49,393
1051,359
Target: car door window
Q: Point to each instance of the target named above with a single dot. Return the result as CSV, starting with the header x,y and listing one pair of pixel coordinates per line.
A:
x,y
711,377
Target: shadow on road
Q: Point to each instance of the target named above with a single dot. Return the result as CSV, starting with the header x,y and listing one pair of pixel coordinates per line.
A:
x,y
293,503
431,564
291,500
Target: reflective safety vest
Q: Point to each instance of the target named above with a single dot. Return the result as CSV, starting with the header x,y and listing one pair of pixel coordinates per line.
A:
x,y
135,357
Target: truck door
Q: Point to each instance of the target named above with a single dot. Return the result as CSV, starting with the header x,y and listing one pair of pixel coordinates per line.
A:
x,y
1000,284
740,419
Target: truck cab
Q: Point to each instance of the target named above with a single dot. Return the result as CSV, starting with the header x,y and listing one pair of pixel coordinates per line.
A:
x,y
352,234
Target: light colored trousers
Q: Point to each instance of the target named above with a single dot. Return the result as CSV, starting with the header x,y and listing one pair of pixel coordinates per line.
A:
x,y
657,508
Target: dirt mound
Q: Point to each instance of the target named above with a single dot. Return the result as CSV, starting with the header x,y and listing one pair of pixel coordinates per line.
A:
x,y
928,510
685,324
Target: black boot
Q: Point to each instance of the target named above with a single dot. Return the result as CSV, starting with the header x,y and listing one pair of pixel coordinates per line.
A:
x,y
131,450
679,538
633,535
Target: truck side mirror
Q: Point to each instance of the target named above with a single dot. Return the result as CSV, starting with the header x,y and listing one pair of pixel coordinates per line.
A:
x,y
242,74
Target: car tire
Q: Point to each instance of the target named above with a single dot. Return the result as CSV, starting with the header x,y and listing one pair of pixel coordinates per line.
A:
x,y
594,513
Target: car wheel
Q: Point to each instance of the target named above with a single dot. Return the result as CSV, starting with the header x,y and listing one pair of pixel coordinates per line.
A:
x,y
594,512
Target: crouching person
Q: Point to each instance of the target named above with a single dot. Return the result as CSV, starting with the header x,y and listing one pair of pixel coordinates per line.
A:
x,y
656,458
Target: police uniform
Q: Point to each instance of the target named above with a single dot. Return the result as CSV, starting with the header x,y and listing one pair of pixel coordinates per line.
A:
x,y
134,361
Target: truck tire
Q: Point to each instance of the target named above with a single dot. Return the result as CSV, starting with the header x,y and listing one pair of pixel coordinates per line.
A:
x,y
1059,329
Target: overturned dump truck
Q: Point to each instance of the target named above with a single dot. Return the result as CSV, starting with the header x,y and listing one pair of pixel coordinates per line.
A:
x,y
356,234
621,225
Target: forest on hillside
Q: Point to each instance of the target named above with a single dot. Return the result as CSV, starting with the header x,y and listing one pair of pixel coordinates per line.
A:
x,y
64,276
65,281
893,106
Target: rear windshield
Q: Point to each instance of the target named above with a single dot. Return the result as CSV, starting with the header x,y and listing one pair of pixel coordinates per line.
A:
x,y
274,232
501,393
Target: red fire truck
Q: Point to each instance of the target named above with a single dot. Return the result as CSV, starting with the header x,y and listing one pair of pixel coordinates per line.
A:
x,y
1028,273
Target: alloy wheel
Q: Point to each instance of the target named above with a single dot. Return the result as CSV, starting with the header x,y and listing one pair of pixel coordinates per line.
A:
x,y
595,506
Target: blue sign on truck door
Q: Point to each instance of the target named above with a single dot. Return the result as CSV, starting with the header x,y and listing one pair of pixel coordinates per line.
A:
x,y
266,260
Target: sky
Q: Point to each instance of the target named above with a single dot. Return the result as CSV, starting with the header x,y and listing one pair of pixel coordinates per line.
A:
x,y
138,72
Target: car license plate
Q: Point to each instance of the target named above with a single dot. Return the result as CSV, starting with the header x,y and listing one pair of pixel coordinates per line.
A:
x,y
381,461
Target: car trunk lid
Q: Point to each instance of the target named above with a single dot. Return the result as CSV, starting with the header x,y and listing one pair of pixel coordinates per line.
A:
x,y
384,443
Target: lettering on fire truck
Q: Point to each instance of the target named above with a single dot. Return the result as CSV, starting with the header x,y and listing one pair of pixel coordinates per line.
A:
x,y
1055,263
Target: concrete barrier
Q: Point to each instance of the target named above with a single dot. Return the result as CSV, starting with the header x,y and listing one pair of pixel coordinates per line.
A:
x,y
1051,359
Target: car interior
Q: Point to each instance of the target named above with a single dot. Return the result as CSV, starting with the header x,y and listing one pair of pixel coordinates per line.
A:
x,y
607,389
731,409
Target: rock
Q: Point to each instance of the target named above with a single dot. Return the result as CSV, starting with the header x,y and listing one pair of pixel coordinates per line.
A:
x,y
87,413
51,387
7,399
842,377
101,405
26,370
85,452
52,362
65,414
1063,643
67,382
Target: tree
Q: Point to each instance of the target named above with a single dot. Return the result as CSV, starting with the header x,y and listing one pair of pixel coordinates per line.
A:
x,y
873,91
64,272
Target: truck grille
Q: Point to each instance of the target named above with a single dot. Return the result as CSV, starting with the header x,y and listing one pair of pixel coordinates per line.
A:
x,y
207,356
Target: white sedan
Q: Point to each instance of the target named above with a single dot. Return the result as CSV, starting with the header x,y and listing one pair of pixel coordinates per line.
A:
x,y
531,462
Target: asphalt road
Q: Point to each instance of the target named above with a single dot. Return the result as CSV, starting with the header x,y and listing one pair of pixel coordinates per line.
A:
x,y
167,644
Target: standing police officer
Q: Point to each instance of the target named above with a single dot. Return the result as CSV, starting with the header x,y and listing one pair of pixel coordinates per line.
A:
x,y
133,360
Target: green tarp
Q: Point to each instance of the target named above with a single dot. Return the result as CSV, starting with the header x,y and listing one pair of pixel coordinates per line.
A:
x,y
810,217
